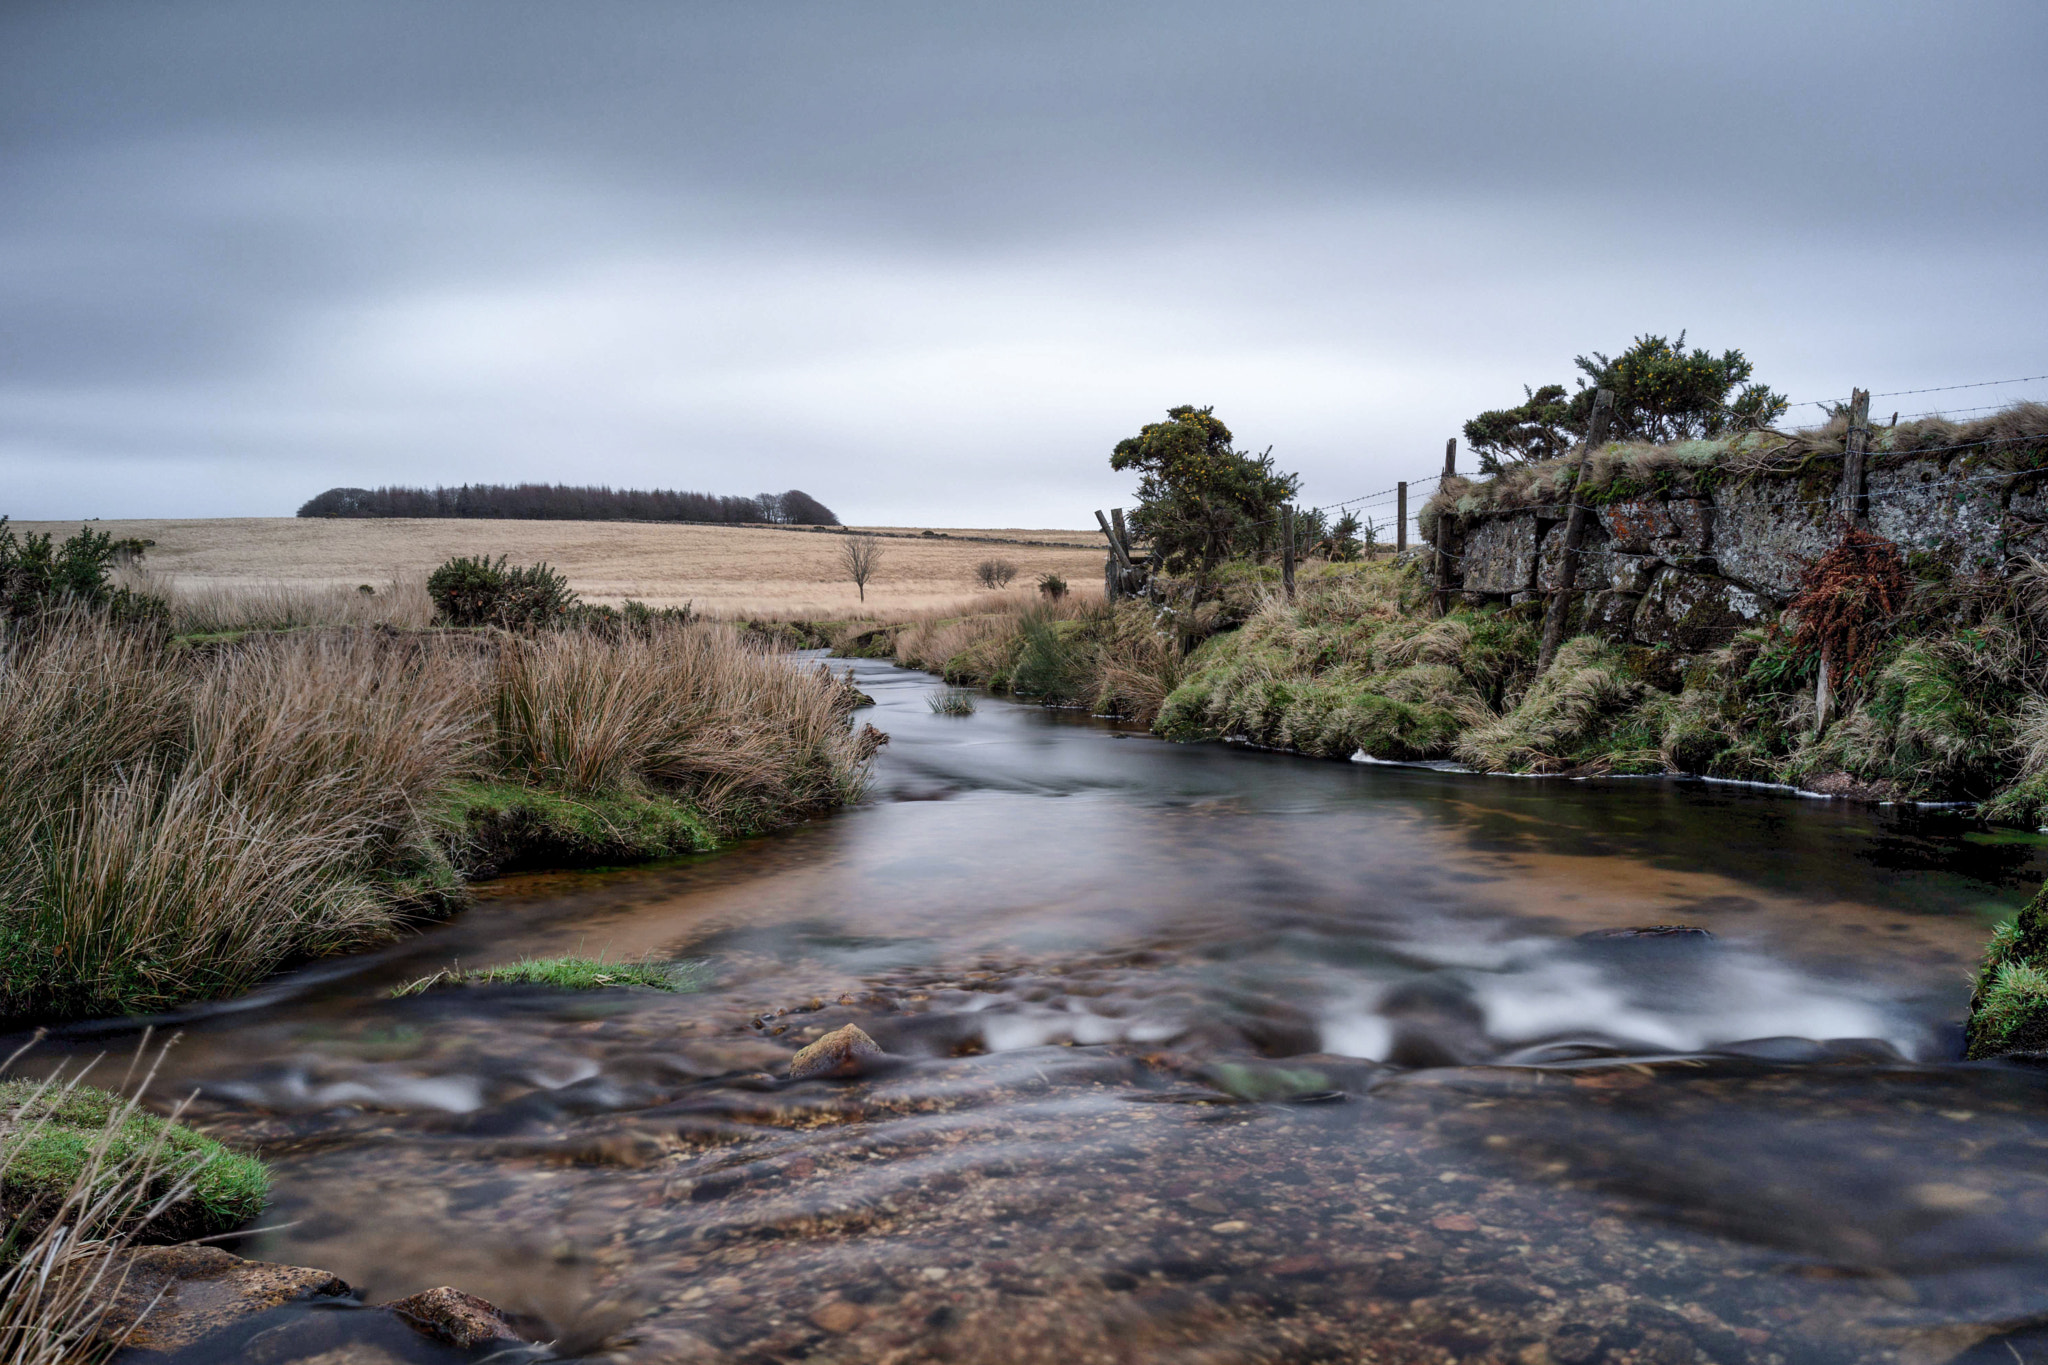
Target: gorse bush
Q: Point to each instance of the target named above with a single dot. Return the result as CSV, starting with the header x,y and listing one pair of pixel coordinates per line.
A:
x,y
39,577
485,592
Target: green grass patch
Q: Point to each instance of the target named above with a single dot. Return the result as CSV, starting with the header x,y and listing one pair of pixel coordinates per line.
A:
x,y
48,1136
496,827
571,974
2012,1011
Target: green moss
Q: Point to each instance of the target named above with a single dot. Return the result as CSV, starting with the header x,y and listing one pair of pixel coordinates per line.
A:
x,y
572,974
50,1133
495,827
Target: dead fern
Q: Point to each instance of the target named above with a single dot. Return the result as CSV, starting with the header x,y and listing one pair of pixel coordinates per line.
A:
x,y
1846,601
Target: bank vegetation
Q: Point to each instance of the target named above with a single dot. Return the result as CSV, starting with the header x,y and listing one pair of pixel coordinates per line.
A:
x,y
181,816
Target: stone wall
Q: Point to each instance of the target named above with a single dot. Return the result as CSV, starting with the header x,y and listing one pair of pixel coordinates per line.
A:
x,y
1692,570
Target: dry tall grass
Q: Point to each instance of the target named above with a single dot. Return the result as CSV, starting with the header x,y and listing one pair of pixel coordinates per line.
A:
x,y
700,711
209,607
178,825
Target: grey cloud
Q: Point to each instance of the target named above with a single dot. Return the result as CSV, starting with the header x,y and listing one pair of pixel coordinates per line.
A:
x,y
344,242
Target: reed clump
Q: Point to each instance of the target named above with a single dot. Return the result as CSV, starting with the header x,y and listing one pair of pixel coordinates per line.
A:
x,y
178,823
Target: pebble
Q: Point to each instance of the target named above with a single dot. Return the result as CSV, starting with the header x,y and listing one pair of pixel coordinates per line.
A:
x,y
838,1317
1230,1228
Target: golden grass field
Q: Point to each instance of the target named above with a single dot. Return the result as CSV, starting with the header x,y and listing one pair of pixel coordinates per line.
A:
x,y
726,570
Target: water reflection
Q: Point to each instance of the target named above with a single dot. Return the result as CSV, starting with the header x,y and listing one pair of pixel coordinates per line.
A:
x,y
1202,1054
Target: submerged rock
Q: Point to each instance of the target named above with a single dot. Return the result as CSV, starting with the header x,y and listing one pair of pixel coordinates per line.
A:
x,y
843,1052
453,1318
175,1296
1678,933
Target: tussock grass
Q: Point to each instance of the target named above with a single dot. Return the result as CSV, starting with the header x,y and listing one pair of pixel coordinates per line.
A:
x,y
951,701
570,974
177,825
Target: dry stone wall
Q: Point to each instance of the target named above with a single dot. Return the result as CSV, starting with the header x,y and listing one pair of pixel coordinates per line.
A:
x,y
1692,570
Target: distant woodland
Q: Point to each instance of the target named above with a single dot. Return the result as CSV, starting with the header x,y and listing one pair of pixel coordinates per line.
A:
x,y
561,502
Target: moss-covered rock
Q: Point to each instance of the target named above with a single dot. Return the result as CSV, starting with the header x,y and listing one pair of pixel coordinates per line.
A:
x,y
48,1135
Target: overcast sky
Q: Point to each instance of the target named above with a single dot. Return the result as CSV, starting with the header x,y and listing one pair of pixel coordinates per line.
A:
x,y
929,262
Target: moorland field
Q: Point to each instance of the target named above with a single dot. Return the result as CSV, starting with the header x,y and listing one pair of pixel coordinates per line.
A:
x,y
722,570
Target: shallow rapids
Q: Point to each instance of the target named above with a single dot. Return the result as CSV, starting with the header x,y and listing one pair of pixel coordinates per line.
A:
x,y
1199,1054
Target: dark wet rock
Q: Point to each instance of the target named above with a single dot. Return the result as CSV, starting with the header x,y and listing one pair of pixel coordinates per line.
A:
x,y
845,1051
1665,933
199,1291
453,1318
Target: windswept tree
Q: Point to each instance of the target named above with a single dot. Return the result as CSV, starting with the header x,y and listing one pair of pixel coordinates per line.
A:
x,y
1201,501
859,554
1662,393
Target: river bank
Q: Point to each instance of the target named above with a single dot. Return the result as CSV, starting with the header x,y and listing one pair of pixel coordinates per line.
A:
x,y
181,823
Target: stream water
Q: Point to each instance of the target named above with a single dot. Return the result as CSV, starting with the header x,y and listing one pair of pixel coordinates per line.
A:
x,y
1200,1054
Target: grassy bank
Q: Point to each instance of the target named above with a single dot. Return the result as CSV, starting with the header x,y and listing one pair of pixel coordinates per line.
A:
x,y
176,824
1946,704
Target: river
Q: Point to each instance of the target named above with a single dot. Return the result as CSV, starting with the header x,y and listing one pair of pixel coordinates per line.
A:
x,y
1200,1054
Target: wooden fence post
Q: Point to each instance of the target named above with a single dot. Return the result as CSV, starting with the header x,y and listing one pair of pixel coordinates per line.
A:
x,y
1574,534
1119,565
1855,459
1443,532
1287,550
1401,518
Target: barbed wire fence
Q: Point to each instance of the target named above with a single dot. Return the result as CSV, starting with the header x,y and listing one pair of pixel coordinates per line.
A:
x,y
1403,501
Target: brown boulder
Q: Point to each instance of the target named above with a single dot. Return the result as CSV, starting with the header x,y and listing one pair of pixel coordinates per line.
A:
x,y
452,1317
843,1052
198,1290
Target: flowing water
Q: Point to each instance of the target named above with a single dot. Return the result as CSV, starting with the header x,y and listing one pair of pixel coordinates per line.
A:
x,y
1198,1054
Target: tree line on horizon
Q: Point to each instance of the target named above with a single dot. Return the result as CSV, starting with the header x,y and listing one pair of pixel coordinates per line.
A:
x,y
565,502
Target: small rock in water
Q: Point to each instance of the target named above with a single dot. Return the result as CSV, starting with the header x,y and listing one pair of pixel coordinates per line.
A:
x,y
453,1318
838,1317
843,1052
175,1296
1654,931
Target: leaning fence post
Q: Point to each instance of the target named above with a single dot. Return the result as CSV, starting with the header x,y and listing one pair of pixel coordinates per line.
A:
x,y
1401,518
1443,531
1287,550
1574,534
1855,459
1113,572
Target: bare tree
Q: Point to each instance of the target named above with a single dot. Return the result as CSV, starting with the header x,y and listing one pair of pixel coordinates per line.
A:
x,y
771,507
859,553
994,573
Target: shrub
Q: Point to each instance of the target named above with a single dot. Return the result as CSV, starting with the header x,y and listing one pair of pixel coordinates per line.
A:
x,y
484,592
994,573
1052,587
39,577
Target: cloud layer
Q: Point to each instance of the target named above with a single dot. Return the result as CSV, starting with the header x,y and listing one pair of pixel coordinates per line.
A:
x,y
931,261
